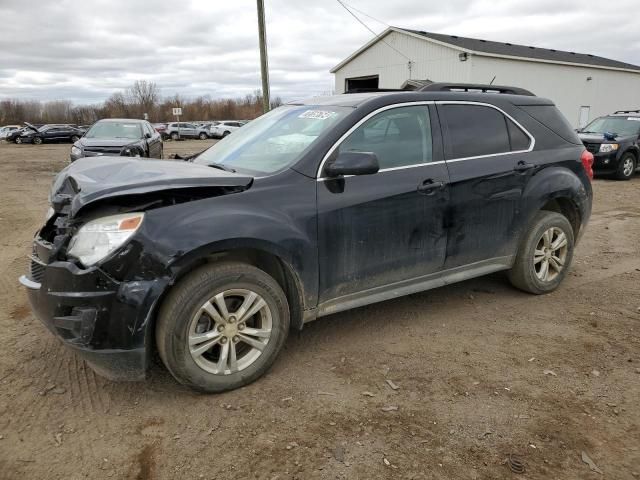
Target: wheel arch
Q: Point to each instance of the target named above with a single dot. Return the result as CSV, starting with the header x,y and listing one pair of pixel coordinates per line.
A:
x,y
260,256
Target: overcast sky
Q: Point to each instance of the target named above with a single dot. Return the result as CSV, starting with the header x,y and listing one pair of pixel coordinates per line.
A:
x,y
85,50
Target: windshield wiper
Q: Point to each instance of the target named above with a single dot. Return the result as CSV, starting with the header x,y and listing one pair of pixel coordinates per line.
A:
x,y
221,167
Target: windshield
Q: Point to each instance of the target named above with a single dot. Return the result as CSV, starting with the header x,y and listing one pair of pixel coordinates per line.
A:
x,y
619,125
275,140
130,130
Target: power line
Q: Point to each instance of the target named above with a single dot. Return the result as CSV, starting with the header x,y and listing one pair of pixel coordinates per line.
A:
x,y
377,35
366,14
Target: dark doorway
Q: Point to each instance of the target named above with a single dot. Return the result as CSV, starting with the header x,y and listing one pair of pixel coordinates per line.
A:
x,y
362,84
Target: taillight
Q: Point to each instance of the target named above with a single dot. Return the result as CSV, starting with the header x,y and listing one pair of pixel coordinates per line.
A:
x,y
587,162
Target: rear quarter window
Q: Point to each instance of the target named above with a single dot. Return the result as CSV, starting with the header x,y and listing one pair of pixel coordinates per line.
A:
x,y
551,118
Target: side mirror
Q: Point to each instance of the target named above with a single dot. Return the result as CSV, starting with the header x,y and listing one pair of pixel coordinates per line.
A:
x,y
147,135
353,163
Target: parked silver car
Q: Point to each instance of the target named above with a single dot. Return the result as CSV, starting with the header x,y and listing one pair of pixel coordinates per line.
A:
x,y
178,130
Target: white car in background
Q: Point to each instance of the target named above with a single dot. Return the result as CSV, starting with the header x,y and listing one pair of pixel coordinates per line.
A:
x,y
7,129
225,127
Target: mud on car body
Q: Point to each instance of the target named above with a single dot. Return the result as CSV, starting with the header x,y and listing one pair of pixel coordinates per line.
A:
x,y
316,207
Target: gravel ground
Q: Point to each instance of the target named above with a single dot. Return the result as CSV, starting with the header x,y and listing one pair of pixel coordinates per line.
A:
x,y
483,372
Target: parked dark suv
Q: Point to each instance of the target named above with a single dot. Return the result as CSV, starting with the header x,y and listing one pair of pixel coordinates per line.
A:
x,y
614,141
317,207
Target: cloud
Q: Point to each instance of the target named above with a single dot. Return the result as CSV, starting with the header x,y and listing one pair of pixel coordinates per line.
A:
x,y
86,50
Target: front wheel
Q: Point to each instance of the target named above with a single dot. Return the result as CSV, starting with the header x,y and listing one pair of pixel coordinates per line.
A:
x,y
203,136
225,134
75,138
222,326
37,140
626,167
18,140
175,136
545,254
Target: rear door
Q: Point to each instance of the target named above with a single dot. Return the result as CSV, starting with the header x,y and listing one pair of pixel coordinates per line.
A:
x,y
380,229
488,157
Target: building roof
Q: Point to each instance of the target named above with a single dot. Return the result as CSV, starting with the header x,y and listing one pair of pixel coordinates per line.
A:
x,y
514,50
503,49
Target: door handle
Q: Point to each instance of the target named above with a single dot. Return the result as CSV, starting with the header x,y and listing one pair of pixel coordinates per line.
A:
x,y
429,187
524,166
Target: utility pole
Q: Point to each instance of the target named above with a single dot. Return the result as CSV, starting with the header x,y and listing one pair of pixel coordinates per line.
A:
x,y
264,63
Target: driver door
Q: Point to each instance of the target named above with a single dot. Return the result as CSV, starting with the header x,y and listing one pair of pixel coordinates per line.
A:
x,y
381,229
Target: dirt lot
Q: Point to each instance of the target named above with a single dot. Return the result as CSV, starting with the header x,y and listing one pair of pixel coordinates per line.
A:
x,y
483,371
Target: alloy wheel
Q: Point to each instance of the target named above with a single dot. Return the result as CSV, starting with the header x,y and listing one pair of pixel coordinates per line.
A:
x,y
230,331
628,167
550,254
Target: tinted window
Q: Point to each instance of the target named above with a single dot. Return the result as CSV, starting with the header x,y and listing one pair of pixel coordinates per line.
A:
x,y
475,130
551,118
399,137
518,139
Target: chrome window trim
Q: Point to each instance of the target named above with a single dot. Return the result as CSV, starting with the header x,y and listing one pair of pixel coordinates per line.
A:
x,y
532,139
360,122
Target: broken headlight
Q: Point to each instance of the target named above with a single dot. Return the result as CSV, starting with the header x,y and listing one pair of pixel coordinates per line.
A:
x,y
98,238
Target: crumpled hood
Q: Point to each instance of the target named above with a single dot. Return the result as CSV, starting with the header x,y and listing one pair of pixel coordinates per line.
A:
x,y
86,181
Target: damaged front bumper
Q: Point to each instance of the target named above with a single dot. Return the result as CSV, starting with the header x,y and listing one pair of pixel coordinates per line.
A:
x,y
101,318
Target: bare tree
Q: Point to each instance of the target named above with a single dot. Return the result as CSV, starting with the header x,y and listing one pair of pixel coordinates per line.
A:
x,y
143,97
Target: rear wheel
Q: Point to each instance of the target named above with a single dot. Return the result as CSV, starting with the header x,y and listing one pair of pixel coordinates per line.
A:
x,y
626,167
222,326
226,133
203,136
175,136
37,140
74,138
18,140
545,254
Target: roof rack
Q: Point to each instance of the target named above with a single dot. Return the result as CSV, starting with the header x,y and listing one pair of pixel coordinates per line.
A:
x,y
475,87
626,111
370,90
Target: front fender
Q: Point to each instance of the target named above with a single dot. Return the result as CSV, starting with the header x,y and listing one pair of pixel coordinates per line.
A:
x,y
259,218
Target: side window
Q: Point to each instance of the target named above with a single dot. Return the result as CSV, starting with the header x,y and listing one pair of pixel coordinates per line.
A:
x,y
475,130
518,139
399,137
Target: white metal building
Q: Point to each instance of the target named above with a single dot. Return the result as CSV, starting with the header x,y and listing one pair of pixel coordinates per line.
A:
x,y
582,86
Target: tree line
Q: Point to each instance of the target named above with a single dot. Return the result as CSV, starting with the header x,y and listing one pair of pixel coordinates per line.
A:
x,y
141,98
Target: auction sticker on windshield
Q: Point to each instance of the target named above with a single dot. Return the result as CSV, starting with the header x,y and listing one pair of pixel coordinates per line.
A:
x,y
635,119
317,114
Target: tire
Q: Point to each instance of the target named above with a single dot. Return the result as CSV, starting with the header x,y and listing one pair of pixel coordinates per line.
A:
x,y
18,140
175,136
626,167
528,270
36,140
203,136
225,134
74,138
182,316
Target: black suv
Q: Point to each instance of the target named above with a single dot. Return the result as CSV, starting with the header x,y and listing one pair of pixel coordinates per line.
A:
x,y
316,207
614,140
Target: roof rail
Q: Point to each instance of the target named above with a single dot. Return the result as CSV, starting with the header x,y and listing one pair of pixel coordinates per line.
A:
x,y
370,90
474,87
626,111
